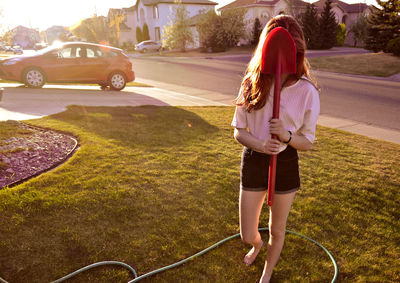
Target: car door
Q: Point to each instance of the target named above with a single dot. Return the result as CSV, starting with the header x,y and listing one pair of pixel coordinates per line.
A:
x,y
94,66
63,65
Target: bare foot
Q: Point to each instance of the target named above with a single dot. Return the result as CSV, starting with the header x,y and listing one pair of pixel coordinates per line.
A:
x,y
252,254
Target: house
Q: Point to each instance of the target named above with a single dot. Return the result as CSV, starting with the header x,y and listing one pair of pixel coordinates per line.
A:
x,y
346,14
54,33
266,9
24,37
155,14
123,22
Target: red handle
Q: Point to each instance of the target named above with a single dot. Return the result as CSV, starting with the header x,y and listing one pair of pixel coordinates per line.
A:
x,y
275,114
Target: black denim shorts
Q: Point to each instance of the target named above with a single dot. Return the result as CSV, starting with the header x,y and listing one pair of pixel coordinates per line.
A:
x,y
255,170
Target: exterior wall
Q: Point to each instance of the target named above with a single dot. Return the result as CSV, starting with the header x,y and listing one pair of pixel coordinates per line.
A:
x,y
25,37
129,35
338,13
146,14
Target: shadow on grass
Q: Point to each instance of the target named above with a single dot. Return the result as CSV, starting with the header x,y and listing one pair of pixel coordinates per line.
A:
x,y
143,126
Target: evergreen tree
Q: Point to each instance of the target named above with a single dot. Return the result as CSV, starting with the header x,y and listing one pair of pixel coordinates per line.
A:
x,y
327,27
383,25
145,32
256,31
309,22
178,34
139,34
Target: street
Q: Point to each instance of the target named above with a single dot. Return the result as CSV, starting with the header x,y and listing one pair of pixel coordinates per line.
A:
x,y
370,101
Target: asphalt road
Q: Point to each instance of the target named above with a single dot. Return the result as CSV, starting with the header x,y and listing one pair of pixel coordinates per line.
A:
x,y
366,100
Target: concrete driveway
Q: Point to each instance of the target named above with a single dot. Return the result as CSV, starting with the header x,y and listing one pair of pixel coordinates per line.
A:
x,y
21,103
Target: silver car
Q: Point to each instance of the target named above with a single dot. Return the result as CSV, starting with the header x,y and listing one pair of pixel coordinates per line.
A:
x,y
148,45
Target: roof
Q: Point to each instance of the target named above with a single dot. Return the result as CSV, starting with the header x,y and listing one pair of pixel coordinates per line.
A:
x,y
155,2
123,26
258,3
348,8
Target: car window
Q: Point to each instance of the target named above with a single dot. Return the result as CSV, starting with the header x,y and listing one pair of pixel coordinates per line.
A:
x,y
109,53
79,52
66,52
93,52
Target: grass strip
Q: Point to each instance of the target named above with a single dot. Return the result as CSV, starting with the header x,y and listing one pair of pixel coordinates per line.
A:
x,y
152,185
370,64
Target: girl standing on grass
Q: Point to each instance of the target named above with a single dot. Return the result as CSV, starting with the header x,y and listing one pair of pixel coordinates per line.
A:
x,y
299,110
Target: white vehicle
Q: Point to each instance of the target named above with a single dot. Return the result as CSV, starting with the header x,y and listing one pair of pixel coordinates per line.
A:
x,y
17,49
148,45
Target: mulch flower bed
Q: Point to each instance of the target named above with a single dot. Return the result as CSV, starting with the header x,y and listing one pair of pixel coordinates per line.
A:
x,y
30,155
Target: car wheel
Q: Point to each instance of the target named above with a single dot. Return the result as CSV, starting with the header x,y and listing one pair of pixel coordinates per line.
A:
x,y
117,81
144,50
34,78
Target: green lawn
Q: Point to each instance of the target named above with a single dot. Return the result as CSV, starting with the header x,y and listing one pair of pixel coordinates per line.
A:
x,y
370,64
152,185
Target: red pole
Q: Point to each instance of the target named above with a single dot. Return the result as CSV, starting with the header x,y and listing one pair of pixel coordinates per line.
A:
x,y
275,115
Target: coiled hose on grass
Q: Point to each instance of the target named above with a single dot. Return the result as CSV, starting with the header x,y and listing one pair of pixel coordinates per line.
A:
x,y
184,260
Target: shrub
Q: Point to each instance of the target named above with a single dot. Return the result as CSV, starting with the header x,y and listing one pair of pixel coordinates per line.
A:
x,y
145,32
394,46
257,29
341,34
139,35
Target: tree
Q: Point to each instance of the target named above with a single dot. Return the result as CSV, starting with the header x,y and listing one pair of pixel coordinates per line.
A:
x,y
309,22
383,25
178,34
233,26
327,26
94,29
256,32
145,32
359,29
139,34
341,34
220,32
207,27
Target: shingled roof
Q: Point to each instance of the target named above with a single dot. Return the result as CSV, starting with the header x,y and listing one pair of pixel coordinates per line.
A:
x,y
155,2
254,3
348,8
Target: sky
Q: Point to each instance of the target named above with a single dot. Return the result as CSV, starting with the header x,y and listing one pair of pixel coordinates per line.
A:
x,y
42,14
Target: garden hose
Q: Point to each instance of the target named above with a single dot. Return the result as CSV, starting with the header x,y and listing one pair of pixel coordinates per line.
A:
x,y
184,260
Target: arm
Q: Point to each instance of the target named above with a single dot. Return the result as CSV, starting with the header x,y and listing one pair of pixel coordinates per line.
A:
x,y
298,142
245,138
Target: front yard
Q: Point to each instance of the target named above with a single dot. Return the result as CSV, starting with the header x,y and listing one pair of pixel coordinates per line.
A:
x,y
152,185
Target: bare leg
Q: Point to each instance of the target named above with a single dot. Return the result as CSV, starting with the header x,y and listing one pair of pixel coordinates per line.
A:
x,y
250,205
277,226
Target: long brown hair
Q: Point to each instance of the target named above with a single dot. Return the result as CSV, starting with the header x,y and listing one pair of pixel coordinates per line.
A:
x,y
255,87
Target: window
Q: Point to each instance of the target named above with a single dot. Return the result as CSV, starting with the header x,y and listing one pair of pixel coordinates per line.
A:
x,y
157,35
79,52
92,52
65,52
155,12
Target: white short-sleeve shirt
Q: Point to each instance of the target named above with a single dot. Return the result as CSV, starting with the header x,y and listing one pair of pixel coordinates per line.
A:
x,y
299,110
